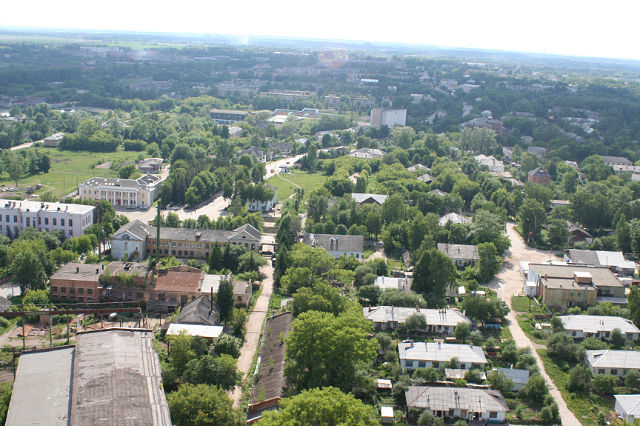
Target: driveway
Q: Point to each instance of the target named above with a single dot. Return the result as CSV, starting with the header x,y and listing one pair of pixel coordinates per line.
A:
x,y
509,282
255,324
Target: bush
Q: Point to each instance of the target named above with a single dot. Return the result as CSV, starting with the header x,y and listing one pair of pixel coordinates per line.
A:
x,y
579,378
605,383
632,379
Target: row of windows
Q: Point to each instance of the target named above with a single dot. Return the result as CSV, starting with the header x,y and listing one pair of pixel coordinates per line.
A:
x,y
72,290
29,222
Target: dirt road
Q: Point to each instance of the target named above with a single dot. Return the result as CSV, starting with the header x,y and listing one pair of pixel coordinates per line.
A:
x,y
254,329
509,282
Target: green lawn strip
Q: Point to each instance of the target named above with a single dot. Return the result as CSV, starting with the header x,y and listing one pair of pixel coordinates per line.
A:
x,y
308,181
70,168
529,330
585,407
285,189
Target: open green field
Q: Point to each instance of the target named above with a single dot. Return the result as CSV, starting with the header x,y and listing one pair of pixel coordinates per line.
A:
x,y
69,168
286,183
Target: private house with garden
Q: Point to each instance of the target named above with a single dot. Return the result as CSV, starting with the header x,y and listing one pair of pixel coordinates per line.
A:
x,y
436,354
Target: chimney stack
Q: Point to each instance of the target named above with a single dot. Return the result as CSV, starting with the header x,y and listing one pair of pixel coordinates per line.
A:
x,y
77,269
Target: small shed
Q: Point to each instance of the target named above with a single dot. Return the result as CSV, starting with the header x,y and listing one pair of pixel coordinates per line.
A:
x,y
386,415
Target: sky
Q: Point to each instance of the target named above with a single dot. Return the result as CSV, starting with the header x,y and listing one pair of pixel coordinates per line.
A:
x,y
566,27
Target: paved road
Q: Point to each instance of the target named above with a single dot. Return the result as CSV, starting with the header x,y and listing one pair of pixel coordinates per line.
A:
x,y
509,282
254,329
273,168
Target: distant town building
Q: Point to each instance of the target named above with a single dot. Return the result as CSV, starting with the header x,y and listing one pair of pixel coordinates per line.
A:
x,y
337,245
128,193
264,205
628,407
64,381
491,162
574,285
539,176
614,260
452,217
616,363
473,405
54,140
388,117
136,239
225,116
616,161
394,283
414,355
439,321
367,153
72,219
150,165
76,281
363,199
461,255
598,326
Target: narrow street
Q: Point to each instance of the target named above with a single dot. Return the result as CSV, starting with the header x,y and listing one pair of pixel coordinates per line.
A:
x,y
255,322
508,283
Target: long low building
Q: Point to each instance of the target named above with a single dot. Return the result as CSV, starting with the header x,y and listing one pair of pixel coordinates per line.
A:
x,y
71,219
480,405
616,363
574,285
440,321
628,407
128,193
136,240
109,377
337,245
423,354
600,327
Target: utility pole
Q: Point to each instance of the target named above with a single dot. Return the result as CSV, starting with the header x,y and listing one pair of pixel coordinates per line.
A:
x,y
158,234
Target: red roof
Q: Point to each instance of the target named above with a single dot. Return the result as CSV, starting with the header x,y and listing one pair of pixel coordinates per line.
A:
x,y
182,279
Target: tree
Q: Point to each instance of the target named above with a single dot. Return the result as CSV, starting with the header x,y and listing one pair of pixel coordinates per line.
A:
x,y
462,331
579,378
558,233
225,299
489,262
434,273
617,339
473,376
340,343
201,405
562,347
535,390
374,223
211,370
369,294
532,216
226,344
605,383
28,271
322,297
428,419
623,235
395,297
428,374
632,379
326,406
416,322
634,304
180,352
215,259
499,381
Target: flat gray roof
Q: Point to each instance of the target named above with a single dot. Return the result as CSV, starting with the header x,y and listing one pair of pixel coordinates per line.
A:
x,y
117,380
42,390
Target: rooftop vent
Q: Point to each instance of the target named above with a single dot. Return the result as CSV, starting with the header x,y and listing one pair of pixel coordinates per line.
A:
x,y
582,277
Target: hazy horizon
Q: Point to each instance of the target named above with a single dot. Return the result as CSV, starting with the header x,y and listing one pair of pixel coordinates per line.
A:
x,y
568,28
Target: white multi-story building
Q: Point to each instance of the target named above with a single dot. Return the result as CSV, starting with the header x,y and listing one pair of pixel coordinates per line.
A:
x,y
266,205
388,117
131,193
72,219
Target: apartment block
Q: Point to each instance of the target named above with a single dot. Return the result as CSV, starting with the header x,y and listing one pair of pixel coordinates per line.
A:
x,y
72,219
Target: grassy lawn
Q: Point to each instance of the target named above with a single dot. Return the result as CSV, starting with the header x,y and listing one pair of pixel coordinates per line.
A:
x,y
308,181
530,330
285,189
69,168
585,407
526,304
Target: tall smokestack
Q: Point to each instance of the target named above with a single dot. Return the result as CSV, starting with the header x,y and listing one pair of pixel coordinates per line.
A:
x,y
158,235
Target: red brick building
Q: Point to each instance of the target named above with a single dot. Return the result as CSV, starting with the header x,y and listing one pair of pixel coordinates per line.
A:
x,y
76,281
